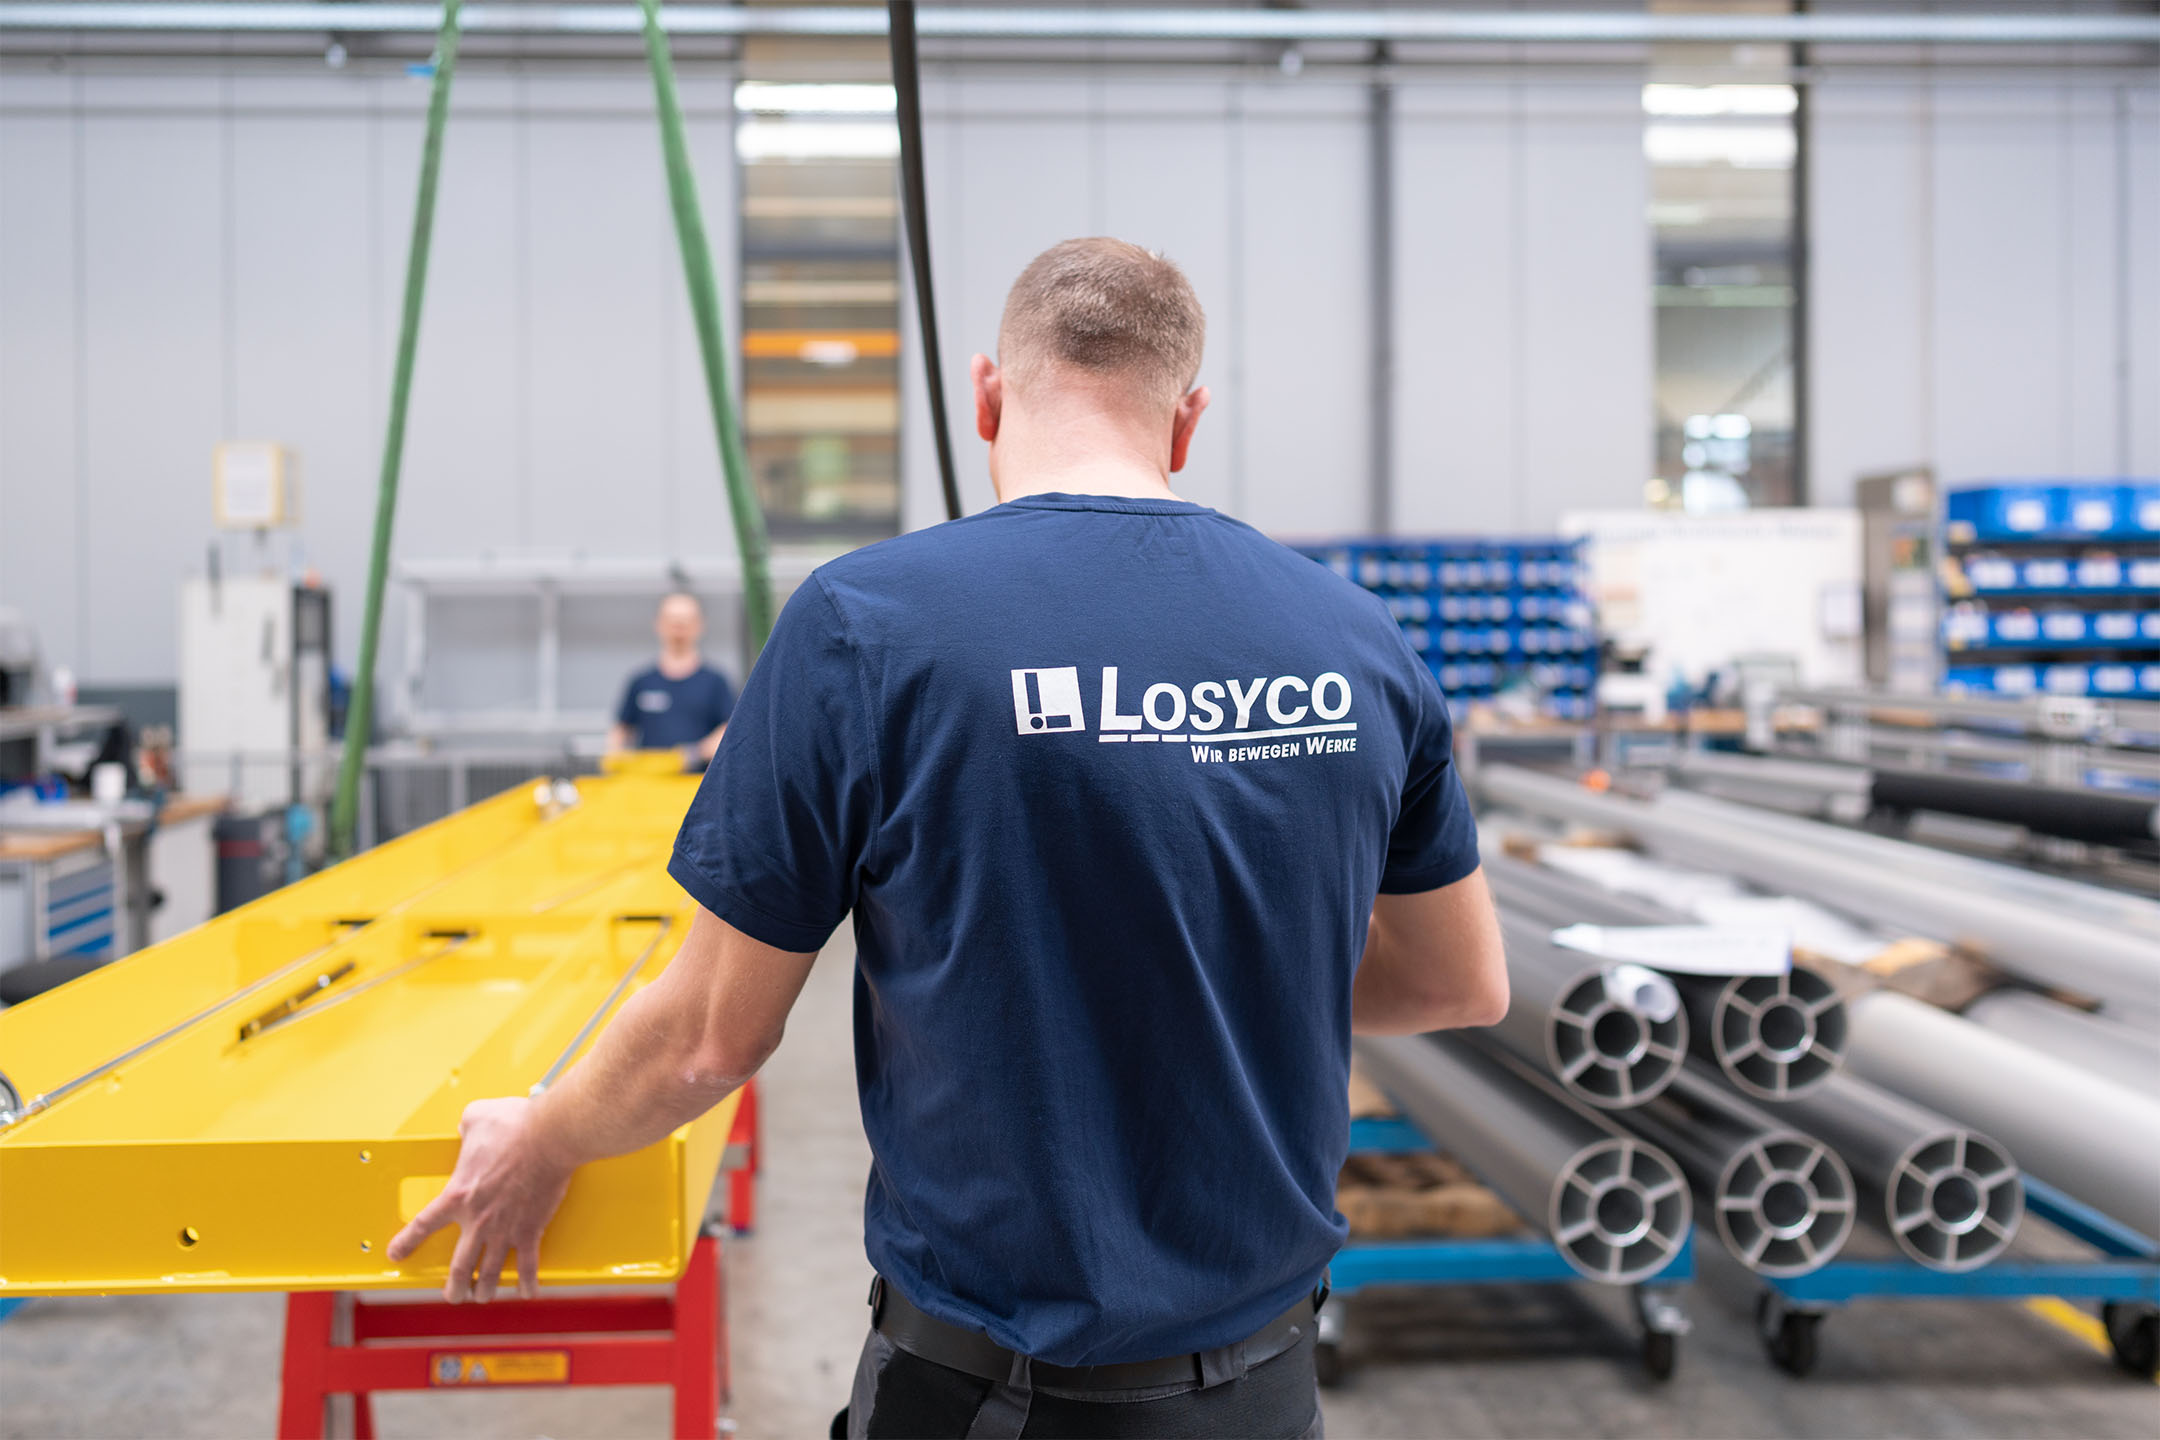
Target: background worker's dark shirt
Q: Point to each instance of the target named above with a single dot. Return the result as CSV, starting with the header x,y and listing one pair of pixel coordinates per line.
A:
x,y
1109,786
663,714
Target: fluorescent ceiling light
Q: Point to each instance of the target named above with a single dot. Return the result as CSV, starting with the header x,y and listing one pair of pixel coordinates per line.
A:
x,y
779,140
1749,147
769,97
1719,100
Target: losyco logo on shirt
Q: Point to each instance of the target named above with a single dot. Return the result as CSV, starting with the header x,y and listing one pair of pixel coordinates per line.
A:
x,y
1223,721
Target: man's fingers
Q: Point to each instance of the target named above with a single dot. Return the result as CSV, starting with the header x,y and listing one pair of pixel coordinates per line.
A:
x,y
528,1267
490,1276
432,1217
458,1288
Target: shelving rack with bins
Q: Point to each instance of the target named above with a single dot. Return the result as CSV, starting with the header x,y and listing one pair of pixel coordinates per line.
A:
x,y
2052,587
1485,614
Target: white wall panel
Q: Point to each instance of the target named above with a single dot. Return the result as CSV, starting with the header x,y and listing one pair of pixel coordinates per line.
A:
x,y
155,332
1870,305
1306,351
40,548
1460,292
303,315
2140,127
1980,276
1585,237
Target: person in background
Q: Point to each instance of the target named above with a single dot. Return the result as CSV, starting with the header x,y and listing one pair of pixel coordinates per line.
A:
x,y
679,702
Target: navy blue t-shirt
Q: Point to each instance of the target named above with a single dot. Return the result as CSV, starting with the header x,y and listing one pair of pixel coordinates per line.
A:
x,y
663,714
1109,786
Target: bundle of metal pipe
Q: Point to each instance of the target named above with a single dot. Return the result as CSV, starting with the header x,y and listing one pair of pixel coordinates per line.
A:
x,y
2072,812
2055,893
1784,1202
2107,1048
2087,1136
1948,1195
1772,1035
1585,1024
2048,946
2098,817
1616,1207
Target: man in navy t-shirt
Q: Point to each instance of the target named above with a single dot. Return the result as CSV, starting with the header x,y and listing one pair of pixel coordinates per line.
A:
x,y
679,702
1138,815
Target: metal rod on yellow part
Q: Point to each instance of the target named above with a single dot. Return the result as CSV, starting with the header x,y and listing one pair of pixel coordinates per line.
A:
x,y
41,1103
592,1021
298,1008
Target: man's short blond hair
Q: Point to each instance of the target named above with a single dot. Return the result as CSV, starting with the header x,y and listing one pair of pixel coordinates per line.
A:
x,y
1108,310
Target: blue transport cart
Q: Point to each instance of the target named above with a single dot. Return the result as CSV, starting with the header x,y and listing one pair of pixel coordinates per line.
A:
x,y
2125,1279
1519,1260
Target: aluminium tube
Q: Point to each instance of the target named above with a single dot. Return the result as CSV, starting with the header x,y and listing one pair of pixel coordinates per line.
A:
x,y
1772,1035
1783,1201
2107,1048
2048,947
2089,1137
1616,1207
2055,893
1949,1196
1586,1024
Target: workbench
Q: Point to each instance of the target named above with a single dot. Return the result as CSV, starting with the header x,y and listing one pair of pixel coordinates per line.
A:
x,y
70,892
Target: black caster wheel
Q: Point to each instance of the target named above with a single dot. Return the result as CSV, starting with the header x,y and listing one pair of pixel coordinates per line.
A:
x,y
1660,1353
2133,1333
1327,1364
1788,1336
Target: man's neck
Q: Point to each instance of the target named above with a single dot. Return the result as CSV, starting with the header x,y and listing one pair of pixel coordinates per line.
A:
x,y
675,664
1078,455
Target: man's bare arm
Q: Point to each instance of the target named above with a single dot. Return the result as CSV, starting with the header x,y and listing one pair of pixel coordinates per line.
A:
x,y
619,737
676,1049
711,743
1433,961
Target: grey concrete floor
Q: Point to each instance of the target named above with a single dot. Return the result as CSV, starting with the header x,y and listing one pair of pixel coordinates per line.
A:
x,y
1513,1362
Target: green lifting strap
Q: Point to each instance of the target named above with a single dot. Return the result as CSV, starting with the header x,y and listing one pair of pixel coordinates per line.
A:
x,y
705,312
748,517
360,715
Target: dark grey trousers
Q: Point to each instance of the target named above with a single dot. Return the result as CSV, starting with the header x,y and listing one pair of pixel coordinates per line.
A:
x,y
899,1396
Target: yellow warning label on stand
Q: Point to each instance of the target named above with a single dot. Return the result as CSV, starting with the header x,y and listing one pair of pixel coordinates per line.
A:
x,y
499,1367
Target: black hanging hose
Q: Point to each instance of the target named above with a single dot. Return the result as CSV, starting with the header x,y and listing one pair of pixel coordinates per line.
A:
x,y
907,93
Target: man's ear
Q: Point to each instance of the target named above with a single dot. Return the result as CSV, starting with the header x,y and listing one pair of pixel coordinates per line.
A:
x,y
989,395
1183,423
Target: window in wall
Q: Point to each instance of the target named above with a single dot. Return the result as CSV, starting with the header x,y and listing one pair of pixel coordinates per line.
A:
x,y
820,293
1721,155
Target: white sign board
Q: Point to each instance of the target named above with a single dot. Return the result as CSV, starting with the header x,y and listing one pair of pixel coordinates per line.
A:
x,y
1699,591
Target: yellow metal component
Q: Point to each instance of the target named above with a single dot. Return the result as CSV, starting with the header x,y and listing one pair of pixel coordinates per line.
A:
x,y
303,1062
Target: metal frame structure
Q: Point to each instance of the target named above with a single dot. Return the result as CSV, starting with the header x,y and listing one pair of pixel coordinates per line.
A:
x,y
1495,26
679,1340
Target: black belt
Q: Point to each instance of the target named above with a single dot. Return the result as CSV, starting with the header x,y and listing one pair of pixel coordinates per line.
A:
x,y
922,1334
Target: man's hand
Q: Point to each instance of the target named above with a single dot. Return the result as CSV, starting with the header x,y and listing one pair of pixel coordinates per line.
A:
x,y
503,1193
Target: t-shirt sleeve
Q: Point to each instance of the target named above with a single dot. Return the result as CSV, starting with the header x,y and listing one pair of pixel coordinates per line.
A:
x,y
627,712
776,840
1434,842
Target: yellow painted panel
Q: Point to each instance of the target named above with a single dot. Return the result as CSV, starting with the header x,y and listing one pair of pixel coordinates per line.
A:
x,y
449,965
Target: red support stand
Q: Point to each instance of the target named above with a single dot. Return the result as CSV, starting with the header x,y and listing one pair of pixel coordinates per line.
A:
x,y
678,1340
742,1176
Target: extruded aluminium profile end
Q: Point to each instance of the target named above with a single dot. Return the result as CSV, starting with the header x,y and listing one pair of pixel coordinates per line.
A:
x,y
1621,1212
1785,1204
1954,1200
1608,1054
1778,1036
